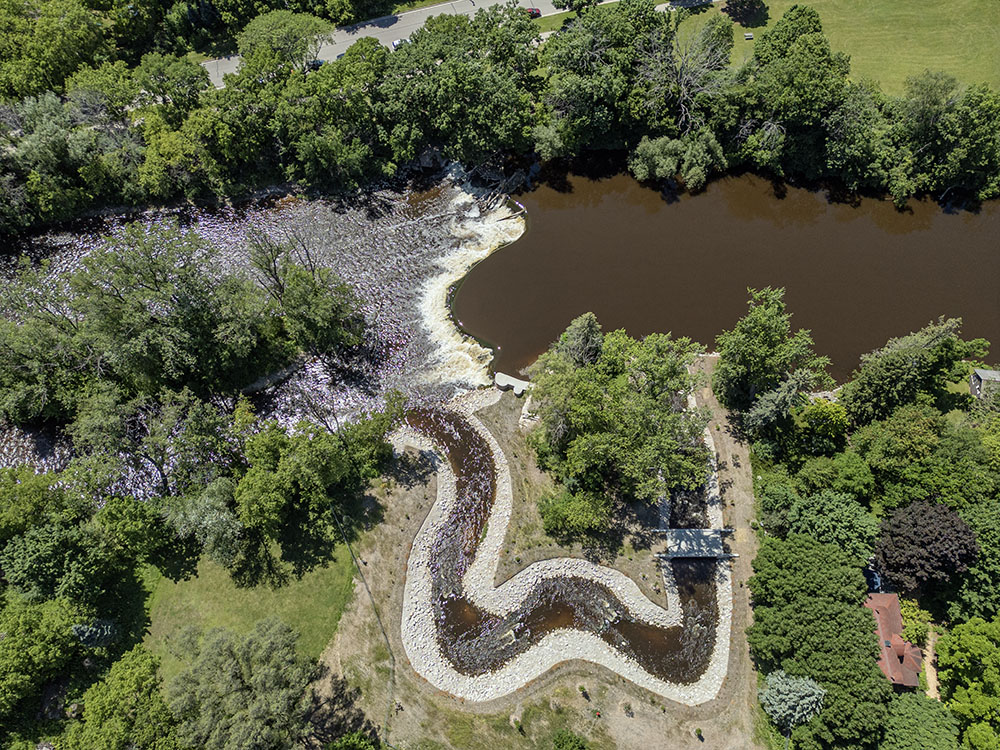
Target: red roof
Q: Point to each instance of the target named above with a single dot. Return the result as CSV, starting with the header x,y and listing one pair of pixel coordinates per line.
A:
x,y
899,660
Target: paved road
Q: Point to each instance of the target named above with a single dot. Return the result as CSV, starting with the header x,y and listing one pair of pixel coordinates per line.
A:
x,y
386,30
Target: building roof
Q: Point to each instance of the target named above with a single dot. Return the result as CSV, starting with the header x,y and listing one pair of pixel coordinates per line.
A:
x,y
899,660
987,374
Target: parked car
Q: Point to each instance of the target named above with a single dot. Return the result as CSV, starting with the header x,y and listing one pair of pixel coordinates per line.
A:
x,y
315,64
399,43
534,12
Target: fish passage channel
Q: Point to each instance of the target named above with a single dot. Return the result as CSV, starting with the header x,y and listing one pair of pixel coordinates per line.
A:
x,y
476,641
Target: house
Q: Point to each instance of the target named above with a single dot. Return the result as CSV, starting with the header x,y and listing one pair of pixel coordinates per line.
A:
x,y
899,661
980,379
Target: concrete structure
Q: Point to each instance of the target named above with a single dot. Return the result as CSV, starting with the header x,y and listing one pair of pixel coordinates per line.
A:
x,y
899,661
695,543
506,382
980,379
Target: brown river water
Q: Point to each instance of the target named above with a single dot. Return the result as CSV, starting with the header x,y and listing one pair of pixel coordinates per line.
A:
x,y
855,275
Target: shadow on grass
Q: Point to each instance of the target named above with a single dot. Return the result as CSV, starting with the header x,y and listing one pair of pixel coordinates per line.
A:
x,y
334,711
750,14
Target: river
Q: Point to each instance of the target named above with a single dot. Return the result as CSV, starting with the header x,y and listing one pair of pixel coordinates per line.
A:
x,y
854,274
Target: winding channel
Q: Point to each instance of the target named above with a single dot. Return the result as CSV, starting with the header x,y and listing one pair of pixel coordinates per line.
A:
x,y
479,641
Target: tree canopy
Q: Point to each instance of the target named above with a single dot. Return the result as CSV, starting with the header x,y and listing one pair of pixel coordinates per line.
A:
x,y
925,545
968,660
248,691
761,352
613,422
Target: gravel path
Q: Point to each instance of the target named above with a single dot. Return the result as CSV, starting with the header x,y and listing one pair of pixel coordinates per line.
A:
x,y
419,629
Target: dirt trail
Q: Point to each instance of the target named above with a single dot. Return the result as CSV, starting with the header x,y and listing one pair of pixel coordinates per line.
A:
x,y
930,667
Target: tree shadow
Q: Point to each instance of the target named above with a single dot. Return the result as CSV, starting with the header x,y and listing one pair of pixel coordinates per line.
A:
x,y
334,712
750,15
177,558
410,470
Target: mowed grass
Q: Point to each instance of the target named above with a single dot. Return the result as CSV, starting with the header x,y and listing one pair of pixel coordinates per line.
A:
x,y
311,605
553,22
890,40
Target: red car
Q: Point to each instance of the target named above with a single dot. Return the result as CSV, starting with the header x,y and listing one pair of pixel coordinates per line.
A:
x,y
534,12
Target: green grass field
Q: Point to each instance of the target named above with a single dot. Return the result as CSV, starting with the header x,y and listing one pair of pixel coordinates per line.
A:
x,y
890,40
311,605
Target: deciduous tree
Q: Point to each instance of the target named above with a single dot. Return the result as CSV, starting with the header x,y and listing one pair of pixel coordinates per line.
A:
x,y
924,545
126,710
248,691
761,351
968,660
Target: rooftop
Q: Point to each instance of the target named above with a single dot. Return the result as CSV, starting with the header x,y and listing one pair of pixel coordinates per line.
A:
x,y
899,660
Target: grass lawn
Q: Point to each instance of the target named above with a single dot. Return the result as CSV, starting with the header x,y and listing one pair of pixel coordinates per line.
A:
x,y
553,22
889,40
311,605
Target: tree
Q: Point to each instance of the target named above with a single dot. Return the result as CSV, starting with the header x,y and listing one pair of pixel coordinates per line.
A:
x,y
916,622
582,340
808,621
615,426
354,741
744,11
777,42
36,646
835,518
566,514
319,309
113,81
126,710
775,494
978,593
29,499
845,473
330,123
681,77
694,158
46,42
968,660
566,740
173,83
209,518
823,427
790,701
462,86
247,691
919,363
917,722
294,37
761,352
924,545
174,439
859,146
151,311
898,449
57,560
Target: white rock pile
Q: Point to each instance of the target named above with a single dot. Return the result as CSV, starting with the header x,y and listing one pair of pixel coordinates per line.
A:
x,y
418,626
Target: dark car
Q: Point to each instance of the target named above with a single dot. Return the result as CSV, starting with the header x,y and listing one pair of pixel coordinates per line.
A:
x,y
534,12
315,64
